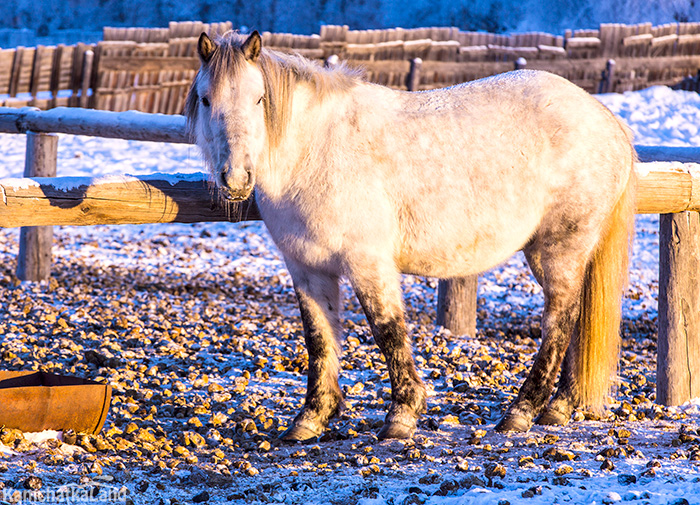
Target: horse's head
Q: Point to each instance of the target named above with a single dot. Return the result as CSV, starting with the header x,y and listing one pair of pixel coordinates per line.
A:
x,y
225,111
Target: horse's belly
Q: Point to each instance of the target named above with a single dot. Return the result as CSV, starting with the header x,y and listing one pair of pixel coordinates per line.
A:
x,y
465,248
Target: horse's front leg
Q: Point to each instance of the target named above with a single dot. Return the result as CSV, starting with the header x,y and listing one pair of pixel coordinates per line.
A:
x,y
381,299
319,302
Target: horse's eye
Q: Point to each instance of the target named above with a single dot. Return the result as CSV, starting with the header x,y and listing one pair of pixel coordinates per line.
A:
x,y
260,100
205,101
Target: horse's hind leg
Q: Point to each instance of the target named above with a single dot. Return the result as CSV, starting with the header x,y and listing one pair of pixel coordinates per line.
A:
x,y
319,302
562,270
566,398
381,298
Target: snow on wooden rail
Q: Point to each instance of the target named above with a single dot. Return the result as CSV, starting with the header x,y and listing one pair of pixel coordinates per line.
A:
x,y
129,125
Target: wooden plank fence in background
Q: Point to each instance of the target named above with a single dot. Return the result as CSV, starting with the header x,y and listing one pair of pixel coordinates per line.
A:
x,y
671,189
150,69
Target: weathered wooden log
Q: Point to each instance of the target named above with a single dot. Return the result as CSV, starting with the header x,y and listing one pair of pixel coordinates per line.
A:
x,y
678,359
156,198
134,125
34,259
667,187
129,125
456,307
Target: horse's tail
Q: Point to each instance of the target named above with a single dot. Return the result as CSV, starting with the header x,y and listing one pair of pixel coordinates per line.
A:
x,y
601,302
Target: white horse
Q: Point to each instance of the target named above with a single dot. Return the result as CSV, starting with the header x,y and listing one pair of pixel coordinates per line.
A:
x,y
357,180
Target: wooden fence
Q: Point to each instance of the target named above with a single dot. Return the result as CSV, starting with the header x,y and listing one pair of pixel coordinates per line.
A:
x,y
150,69
37,203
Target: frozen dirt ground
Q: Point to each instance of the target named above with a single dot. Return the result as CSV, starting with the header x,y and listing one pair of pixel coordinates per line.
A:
x,y
197,330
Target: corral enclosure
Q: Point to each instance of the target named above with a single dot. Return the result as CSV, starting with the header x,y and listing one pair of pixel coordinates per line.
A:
x,y
150,69
239,435
200,339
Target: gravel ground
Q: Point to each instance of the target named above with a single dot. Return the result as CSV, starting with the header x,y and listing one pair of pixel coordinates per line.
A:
x,y
196,328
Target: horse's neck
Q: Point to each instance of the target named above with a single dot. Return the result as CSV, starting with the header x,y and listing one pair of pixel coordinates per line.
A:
x,y
315,127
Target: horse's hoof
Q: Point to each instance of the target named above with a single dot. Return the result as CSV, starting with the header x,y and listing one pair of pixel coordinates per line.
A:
x,y
552,417
396,430
301,433
513,423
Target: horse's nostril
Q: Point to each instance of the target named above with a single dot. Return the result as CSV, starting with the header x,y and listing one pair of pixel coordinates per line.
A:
x,y
222,180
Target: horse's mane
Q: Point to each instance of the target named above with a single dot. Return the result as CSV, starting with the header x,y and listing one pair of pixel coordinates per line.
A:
x,y
281,73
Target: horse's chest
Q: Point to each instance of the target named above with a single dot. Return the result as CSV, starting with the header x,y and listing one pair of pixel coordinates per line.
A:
x,y
311,242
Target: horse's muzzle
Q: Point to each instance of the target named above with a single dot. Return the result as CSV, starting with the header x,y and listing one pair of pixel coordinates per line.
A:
x,y
237,184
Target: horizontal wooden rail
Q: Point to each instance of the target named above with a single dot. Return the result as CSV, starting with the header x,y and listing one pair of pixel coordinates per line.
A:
x,y
664,187
134,125
129,125
668,187
115,199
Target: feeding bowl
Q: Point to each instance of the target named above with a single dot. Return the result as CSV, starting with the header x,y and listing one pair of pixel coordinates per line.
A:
x,y
37,401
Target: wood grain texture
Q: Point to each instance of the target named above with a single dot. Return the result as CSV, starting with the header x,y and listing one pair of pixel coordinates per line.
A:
x,y
456,308
35,242
678,360
83,201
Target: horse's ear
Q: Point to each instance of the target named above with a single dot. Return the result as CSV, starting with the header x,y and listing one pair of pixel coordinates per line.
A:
x,y
205,47
252,46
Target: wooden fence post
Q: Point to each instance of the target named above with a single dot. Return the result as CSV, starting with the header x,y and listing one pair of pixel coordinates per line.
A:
x,y
520,63
456,308
678,354
88,58
607,81
34,259
413,81
332,61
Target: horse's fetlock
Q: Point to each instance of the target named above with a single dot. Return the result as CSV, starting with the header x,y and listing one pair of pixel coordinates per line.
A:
x,y
412,396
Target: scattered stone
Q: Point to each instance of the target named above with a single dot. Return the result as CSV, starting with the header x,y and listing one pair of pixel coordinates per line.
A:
x,y
626,479
447,488
201,497
471,481
611,497
563,470
412,499
532,492
557,454
32,482
526,462
607,465
495,470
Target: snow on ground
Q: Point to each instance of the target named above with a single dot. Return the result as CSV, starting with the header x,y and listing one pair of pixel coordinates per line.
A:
x,y
183,274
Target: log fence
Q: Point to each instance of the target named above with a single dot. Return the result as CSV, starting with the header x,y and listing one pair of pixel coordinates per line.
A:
x,y
150,69
669,184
